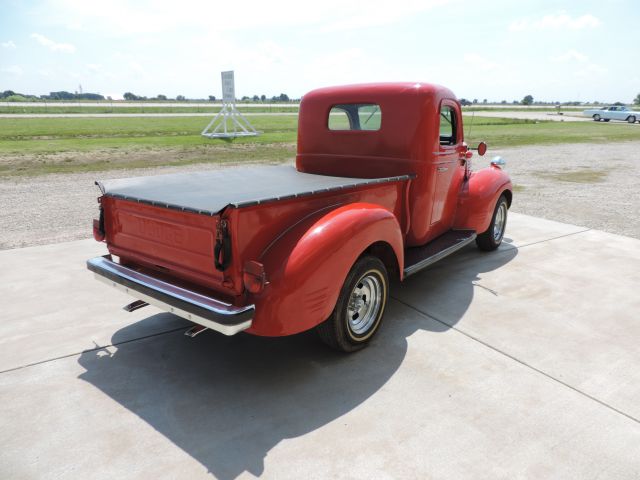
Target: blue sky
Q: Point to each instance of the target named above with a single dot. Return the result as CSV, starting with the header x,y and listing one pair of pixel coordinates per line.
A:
x,y
499,50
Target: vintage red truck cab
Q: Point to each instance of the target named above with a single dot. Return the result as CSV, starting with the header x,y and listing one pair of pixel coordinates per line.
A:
x,y
382,187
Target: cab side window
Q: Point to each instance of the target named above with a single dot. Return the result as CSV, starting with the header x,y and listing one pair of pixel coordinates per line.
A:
x,y
448,126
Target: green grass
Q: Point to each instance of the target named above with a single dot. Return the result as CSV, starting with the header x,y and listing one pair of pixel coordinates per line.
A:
x,y
48,145
510,134
26,135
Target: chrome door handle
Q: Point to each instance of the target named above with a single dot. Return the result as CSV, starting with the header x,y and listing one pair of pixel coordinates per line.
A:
x,y
443,169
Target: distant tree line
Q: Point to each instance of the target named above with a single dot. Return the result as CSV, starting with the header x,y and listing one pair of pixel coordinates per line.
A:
x,y
10,95
529,100
283,97
63,95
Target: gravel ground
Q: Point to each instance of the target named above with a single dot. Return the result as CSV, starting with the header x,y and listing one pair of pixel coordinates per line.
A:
x,y
594,185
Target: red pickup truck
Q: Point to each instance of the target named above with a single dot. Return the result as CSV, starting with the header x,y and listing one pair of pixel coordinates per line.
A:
x,y
382,187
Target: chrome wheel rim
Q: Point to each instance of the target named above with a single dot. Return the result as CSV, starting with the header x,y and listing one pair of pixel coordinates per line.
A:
x,y
364,304
500,222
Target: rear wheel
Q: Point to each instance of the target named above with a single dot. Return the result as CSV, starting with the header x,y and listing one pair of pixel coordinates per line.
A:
x,y
631,119
492,238
596,117
360,306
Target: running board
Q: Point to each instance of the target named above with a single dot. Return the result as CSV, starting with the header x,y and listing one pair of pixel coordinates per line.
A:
x,y
417,258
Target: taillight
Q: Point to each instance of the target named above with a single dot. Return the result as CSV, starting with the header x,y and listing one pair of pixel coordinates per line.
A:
x,y
253,276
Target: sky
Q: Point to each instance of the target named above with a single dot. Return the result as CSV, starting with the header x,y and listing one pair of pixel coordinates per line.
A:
x,y
496,50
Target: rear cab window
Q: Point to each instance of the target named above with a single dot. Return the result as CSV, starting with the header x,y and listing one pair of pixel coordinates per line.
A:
x,y
355,116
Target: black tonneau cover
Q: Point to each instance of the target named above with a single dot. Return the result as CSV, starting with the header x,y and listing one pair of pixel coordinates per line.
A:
x,y
209,192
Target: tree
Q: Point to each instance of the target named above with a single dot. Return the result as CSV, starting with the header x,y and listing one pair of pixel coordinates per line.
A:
x,y
637,99
161,97
256,98
475,100
130,96
263,97
283,97
61,95
464,102
528,100
180,98
484,101
212,98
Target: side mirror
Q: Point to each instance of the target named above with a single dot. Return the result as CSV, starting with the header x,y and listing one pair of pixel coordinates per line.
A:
x,y
482,148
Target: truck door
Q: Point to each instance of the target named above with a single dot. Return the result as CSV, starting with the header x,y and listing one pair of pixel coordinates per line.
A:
x,y
448,167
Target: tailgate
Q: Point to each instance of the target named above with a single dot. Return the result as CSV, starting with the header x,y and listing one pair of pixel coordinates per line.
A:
x,y
174,242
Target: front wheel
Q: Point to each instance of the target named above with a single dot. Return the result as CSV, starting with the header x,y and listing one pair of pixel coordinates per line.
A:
x,y
596,117
631,119
492,238
360,306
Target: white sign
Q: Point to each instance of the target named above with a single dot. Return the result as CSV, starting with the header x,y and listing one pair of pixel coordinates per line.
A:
x,y
228,87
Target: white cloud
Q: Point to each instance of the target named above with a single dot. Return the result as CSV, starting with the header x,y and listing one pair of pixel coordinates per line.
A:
x,y
478,62
570,55
13,70
591,70
53,46
556,21
160,16
8,44
377,13
94,67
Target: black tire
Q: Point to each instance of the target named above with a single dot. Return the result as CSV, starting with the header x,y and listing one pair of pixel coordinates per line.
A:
x,y
489,240
596,118
631,119
606,119
340,331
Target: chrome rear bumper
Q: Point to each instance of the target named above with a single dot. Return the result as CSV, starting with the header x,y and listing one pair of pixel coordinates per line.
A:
x,y
193,306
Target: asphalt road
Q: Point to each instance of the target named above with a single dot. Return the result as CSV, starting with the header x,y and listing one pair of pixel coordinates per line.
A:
x,y
521,363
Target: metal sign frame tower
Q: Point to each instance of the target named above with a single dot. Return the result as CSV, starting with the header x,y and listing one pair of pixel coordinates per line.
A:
x,y
229,122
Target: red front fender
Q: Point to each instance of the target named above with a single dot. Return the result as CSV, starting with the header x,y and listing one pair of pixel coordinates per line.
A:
x,y
308,264
479,196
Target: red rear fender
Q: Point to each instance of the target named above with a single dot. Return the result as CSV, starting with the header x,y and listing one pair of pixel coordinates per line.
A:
x,y
307,265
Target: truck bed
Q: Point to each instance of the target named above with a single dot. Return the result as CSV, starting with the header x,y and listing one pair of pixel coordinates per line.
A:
x,y
210,192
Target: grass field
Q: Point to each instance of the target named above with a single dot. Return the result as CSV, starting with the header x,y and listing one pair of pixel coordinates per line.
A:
x,y
49,145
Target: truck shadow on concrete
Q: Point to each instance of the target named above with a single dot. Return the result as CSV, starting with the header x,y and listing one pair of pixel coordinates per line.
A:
x,y
227,401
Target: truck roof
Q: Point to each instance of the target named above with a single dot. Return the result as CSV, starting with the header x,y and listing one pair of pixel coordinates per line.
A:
x,y
209,192
378,91
404,106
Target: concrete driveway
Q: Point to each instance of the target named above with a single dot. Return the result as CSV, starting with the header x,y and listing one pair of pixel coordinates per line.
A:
x,y
522,363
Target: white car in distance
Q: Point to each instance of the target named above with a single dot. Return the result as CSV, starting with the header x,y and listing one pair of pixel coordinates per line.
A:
x,y
621,113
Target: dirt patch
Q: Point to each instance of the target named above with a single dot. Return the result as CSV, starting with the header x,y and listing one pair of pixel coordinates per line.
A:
x,y
593,185
33,164
582,175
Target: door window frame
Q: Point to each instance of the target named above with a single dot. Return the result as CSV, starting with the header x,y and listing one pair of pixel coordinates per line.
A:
x,y
456,124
